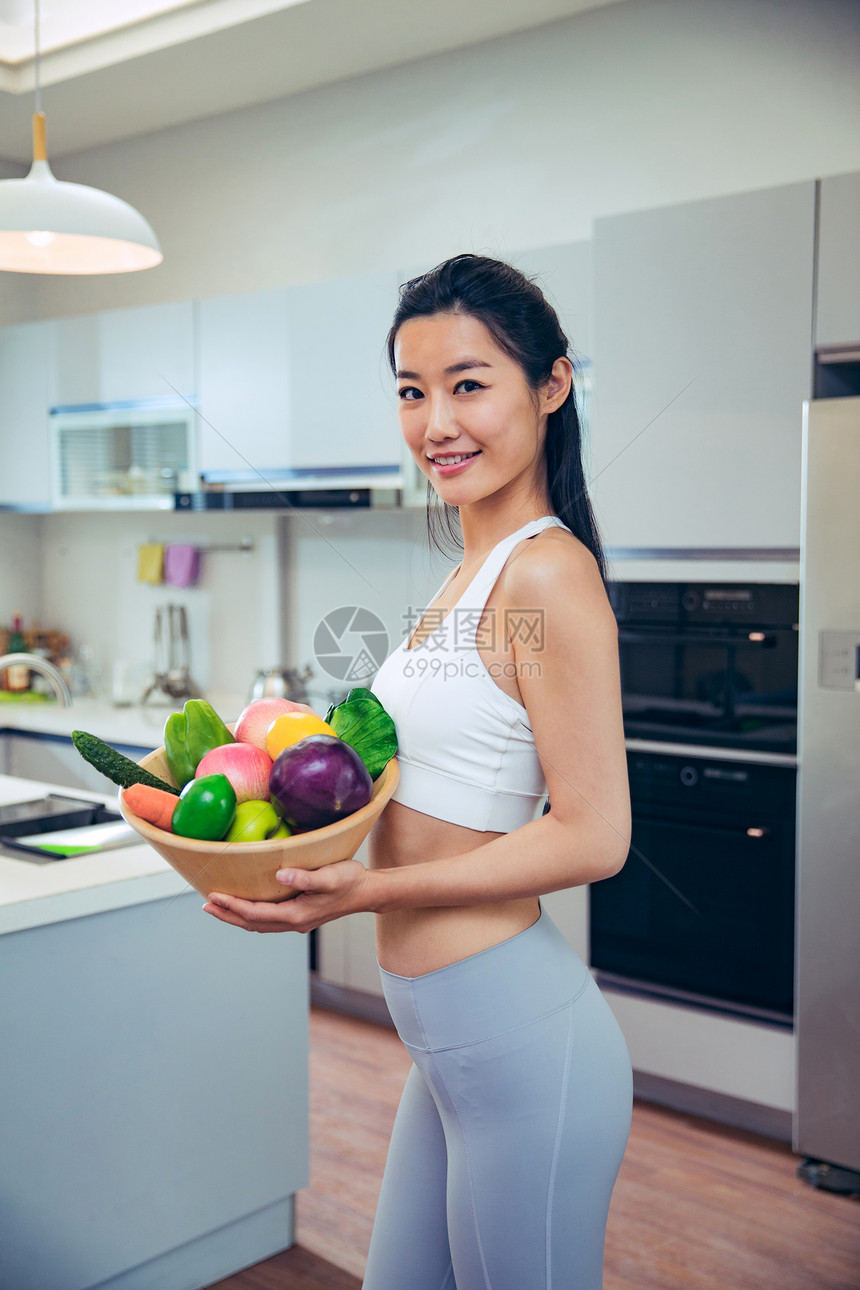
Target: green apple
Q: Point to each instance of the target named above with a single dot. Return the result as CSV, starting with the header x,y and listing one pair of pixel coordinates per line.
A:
x,y
256,821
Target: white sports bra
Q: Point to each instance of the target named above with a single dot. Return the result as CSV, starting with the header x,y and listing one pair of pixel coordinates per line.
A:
x,y
465,748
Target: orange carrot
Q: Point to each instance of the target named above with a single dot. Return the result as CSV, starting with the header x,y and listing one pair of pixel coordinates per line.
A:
x,y
152,804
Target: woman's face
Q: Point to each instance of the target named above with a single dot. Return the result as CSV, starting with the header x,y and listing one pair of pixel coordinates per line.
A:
x,y
461,397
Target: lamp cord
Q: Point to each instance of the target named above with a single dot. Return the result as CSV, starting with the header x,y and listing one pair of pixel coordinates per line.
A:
x,y
37,59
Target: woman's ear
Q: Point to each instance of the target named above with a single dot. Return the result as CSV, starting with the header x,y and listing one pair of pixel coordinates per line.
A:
x,y
558,386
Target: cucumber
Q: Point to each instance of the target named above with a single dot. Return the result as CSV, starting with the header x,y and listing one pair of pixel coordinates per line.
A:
x,y
113,765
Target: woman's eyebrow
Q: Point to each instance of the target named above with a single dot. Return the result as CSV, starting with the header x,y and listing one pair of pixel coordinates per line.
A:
x,y
463,366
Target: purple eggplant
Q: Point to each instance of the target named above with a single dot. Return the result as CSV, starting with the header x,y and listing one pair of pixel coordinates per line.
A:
x,y
318,780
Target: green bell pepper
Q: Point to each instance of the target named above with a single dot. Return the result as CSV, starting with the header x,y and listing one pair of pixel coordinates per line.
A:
x,y
189,735
205,809
362,722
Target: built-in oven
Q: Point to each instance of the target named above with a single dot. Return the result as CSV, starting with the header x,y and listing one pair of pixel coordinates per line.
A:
x,y
709,663
703,910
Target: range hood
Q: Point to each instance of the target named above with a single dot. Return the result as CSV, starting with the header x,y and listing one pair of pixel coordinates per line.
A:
x,y
322,487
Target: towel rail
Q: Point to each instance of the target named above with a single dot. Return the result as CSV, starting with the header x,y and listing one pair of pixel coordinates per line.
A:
x,y
246,544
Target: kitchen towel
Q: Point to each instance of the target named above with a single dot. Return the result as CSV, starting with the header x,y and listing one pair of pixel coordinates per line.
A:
x,y
181,564
150,563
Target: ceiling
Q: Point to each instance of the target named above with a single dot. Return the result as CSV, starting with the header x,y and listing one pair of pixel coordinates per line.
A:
x,y
111,69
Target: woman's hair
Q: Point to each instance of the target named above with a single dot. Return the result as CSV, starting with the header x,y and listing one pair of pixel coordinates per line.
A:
x,y
524,325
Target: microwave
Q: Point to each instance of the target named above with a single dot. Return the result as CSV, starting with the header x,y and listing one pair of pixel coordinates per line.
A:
x,y
134,455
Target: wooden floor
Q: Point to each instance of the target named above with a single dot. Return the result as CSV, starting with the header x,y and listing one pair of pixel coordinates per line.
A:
x,y
696,1204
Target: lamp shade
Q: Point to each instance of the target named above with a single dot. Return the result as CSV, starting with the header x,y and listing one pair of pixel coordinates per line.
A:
x,y
49,226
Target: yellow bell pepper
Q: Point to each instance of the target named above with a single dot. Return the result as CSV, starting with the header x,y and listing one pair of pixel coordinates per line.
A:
x,y
290,727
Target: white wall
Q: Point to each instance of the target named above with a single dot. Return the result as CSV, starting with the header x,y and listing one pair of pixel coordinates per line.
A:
x,y
518,142
377,560
21,568
90,590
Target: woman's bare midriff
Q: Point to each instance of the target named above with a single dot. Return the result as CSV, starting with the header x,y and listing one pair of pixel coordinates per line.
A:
x,y
411,942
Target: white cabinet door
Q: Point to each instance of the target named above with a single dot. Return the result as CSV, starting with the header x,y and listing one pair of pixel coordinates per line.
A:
x,y
26,389
124,354
838,311
147,352
563,274
244,383
703,319
296,378
342,400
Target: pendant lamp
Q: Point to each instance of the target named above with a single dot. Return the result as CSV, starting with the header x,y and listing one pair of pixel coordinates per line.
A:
x,y
49,226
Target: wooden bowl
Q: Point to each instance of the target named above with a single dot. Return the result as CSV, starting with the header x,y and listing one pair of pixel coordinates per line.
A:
x,y
247,869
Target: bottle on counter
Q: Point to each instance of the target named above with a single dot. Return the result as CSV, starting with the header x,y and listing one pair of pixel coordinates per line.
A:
x,y
17,675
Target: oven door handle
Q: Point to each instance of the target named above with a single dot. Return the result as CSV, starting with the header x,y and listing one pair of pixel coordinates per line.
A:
x,y
755,832
761,640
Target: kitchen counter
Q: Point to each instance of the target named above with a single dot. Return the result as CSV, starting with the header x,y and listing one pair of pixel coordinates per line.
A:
x,y
134,727
32,895
154,1076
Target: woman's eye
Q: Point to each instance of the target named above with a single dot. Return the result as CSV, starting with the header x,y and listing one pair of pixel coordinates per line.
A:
x,y
408,389
467,381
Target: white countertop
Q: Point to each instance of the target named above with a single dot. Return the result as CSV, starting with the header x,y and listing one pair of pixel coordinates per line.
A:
x,y
141,727
32,895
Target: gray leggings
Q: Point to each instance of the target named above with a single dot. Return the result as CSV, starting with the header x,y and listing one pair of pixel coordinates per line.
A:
x,y
512,1125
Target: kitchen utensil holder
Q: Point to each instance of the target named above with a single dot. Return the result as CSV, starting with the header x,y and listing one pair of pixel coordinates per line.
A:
x,y
172,674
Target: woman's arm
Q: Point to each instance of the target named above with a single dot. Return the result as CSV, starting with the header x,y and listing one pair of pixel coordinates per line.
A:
x,y
569,681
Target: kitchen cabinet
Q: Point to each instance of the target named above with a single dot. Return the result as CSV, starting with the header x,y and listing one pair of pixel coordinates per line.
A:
x,y
296,378
837,320
701,348
564,276
31,755
244,382
132,1027
122,354
26,388
343,408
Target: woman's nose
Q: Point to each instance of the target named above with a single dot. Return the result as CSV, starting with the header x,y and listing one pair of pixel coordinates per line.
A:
x,y
440,422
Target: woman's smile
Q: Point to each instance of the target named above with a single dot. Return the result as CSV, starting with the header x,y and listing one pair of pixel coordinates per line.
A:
x,y
446,463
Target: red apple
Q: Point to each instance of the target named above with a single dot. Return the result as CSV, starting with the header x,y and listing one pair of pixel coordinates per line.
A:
x,y
254,721
246,767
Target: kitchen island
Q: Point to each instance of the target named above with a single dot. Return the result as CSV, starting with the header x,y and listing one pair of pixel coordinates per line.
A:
x,y
154,1079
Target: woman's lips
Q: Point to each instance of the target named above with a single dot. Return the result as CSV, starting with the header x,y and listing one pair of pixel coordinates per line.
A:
x,y
454,468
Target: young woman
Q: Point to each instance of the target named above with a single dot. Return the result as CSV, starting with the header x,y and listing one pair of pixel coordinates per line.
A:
x,y
516,1112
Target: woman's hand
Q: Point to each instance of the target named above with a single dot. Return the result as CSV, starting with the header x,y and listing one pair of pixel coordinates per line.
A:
x,y
324,894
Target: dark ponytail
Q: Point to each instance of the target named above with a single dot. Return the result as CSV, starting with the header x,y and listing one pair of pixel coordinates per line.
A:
x,y
523,324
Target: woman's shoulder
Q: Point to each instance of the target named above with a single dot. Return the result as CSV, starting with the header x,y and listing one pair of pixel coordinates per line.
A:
x,y
553,562
556,573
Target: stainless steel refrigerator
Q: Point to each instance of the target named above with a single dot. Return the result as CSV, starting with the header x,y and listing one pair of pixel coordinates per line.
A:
x,y
827,967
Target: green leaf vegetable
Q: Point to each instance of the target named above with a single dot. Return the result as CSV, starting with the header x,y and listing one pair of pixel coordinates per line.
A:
x,y
362,722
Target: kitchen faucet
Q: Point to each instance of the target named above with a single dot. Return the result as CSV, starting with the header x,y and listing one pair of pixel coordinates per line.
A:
x,y
38,664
